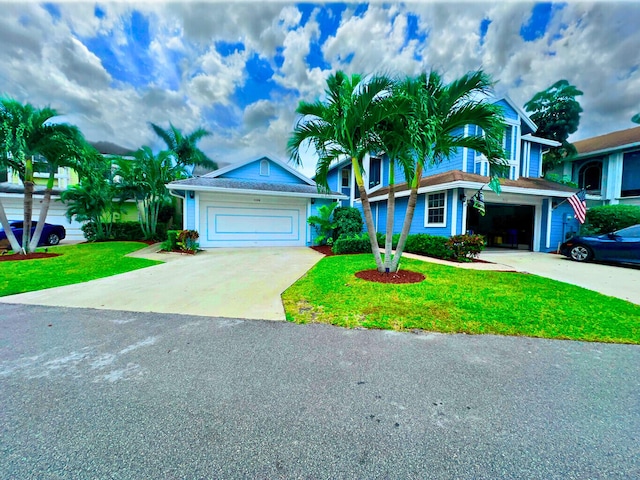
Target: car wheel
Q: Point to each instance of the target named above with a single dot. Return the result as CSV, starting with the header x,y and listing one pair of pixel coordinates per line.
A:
x,y
53,239
581,253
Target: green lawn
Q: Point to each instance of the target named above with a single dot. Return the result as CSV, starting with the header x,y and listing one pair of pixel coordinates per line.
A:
x,y
78,263
456,300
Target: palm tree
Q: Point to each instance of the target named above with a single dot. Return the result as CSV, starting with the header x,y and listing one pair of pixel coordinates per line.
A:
x,y
184,147
436,126
345,126
144,179
26,134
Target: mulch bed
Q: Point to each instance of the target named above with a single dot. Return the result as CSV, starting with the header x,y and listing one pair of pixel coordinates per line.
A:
x,y
324,249
29,256
401,276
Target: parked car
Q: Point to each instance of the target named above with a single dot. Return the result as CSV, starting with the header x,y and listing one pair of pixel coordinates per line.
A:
x,y
51,234
620,246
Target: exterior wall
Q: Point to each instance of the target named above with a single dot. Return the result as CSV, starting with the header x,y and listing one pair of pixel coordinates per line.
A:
x,y
508,111
312,209
563,223
189,218
535,158
251,171
455,162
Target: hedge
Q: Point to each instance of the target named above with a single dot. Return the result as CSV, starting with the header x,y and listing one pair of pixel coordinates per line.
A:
x,y
609,218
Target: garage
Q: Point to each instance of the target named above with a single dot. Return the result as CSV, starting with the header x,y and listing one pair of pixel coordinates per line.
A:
x,y
253,221
504,226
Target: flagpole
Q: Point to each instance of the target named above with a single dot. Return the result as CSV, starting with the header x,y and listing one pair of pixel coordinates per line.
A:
x,y
567,199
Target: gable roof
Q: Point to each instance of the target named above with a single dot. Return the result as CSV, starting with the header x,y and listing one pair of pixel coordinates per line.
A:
x,y
519,111
459,179
609,141
234,166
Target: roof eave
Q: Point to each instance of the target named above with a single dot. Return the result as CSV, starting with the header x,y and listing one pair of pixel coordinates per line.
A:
x,y
247,191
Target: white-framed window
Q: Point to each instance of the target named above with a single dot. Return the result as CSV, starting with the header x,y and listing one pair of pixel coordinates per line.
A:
x,y
435,212
375,172
264,168
345,181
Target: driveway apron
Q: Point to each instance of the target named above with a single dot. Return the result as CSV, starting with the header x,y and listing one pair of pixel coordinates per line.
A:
x,y
235,283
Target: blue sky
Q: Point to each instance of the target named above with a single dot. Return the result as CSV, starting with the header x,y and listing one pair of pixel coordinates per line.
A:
x,y
240,68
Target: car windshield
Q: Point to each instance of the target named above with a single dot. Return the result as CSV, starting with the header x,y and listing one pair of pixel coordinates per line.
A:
x,y
630,232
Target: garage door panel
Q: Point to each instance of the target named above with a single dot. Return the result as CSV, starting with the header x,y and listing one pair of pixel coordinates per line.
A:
x,y
240,221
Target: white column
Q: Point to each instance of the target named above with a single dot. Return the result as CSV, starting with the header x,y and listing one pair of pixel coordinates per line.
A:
x,y
454,212
549,213
612,178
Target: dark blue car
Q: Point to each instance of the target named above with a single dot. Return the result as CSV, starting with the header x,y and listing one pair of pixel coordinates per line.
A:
x,y
620,246
51,234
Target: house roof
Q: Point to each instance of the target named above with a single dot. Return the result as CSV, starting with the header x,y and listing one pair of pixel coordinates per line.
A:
x,y
234,166
108,148
235,185
457,178
609,141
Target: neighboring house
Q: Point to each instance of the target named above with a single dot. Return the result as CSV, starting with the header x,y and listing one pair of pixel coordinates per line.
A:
x,y
12,194
608,167
12,198
262,202
529,214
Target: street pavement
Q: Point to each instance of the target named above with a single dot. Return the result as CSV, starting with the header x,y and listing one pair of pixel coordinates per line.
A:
x,y
127,395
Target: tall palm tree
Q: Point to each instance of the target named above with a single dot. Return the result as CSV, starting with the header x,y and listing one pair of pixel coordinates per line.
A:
x,y
440,113
184,147
27,133
144,179
345,125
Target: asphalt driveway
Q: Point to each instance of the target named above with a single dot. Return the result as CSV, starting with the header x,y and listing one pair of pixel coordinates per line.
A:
x,y
224,282
613,280
107,394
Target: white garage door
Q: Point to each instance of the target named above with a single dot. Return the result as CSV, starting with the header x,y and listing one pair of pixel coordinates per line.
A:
x,y
14,208
247,221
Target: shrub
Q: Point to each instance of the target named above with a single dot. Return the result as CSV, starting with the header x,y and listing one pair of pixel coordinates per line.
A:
x,y
90,231
124,231
171,243
382,238
187,241
429,245
323,223
465,247
608,218
352,244
348,222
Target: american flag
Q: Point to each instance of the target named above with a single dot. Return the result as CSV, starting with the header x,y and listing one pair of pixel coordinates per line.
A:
x,y
579,205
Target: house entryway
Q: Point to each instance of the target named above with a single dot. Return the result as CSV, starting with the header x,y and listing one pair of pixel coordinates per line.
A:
x,y
504,226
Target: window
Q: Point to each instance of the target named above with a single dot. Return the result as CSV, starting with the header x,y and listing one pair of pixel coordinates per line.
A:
x,y
375,171
346,176
436,210
590,176
631,174
264,168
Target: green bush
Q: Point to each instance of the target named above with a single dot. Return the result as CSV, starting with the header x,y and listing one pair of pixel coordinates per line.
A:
x,y
465,247
124,231
187,241
348,222
608,218
352,244
382,238
171,243
429,245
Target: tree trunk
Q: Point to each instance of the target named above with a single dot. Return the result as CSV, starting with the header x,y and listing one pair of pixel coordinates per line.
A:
x,y
44,210
28,205
366,208
391,208
13,241
408,218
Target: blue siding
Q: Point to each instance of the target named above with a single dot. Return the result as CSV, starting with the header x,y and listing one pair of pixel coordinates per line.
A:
x,y
313,233
543,226
455,162
508,112
190,219
251,171
563,225
333,179
535,159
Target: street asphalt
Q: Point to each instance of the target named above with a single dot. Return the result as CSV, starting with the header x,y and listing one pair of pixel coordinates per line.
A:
x,y
126,395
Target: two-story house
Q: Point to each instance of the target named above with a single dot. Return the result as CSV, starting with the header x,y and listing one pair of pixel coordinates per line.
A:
x,y
607,167
529,214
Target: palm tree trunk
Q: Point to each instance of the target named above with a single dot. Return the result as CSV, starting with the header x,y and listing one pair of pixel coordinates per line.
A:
x,y
13,241
391,208
368,216
28,205
44,210
408,218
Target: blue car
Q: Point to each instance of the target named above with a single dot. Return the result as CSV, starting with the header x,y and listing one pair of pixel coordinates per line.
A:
x,y
51,234
621,246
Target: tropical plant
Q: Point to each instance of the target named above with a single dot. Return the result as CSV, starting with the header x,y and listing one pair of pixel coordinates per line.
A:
x,y
144,179
345,125
556,112
184,147
348,222
95,198
324,223
436,125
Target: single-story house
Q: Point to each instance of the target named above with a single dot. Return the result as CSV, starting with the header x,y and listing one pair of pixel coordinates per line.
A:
x,y
258,202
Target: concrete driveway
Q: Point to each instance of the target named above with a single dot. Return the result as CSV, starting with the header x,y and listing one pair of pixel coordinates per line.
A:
x,y
225,282
613,280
